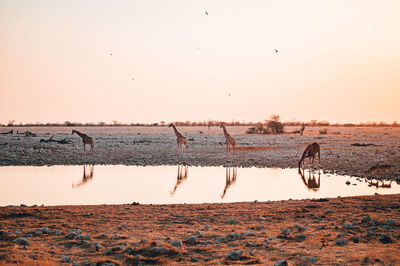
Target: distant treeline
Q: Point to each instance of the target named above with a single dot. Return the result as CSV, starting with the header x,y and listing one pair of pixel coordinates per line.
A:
x,y
201,123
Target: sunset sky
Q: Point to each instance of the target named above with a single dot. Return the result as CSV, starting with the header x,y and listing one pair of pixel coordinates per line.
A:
x,y
337,60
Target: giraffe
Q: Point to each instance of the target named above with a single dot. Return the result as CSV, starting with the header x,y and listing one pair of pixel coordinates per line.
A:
x,y
229,140
376,184
311,183
229,179
180,178
310,152
85,139
179,138
85,177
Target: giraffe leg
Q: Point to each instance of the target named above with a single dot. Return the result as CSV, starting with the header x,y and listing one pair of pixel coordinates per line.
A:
x,y
84,148
91,147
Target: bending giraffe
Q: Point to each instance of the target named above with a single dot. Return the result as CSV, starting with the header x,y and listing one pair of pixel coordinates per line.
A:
x,y
310,152
85,139
311,183
179,138
229,140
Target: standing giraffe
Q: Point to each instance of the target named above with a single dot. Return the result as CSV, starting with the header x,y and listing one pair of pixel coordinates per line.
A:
x,y
229,140
229,179
180,138
85,139
182,176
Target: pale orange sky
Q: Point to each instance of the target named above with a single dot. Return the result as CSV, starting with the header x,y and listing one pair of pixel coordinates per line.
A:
x,y
337,60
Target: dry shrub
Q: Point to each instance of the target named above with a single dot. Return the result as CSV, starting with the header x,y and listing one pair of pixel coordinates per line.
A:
x,y
323,131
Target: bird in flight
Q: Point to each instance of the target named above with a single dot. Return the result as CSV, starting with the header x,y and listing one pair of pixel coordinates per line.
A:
x,y
276,51
206,13
111,54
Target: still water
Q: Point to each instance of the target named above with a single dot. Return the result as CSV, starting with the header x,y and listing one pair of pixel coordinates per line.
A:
x,y
117,184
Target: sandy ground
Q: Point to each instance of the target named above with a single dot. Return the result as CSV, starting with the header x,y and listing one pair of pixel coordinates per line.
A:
x,y
341,231
157,146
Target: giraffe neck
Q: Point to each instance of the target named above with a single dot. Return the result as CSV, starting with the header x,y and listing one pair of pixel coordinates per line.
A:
x,y
176,131
80,134
224,129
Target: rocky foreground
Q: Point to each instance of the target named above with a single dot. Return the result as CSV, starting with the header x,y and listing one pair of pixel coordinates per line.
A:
x,y
341,231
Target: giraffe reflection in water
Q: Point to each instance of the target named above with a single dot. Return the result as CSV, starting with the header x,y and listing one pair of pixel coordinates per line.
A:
x,y
311,182
182,176
377,185
87,176
230,178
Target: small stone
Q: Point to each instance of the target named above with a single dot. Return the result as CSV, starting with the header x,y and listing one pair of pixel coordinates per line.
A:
x,y
130,251
57,232
17,231
65,259
310,259
45,230
234,255
198,233
328,210
347,226
341,242
176,243
251,253
21,241
385,239
281,263
108,252
96,246
38,232
220,239
206,227
301,237
193,259
75,263
355,239
157,251
390,223
233,236
262,219
115,236
249,233
232,221
370,233
286,231
366,218
191,240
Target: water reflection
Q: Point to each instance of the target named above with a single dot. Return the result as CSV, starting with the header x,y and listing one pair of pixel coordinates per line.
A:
x,y
311,182
230,178
182,176
377,185
114,183
87,176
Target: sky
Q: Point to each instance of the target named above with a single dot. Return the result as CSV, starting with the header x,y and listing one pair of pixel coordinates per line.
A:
x,y
158,60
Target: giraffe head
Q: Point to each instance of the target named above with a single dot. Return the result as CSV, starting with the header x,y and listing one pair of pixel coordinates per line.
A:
x,y
73,131
222,125
170,125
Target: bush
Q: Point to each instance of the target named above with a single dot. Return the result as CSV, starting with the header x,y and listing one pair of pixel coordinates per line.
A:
x,y
275,125
323,131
